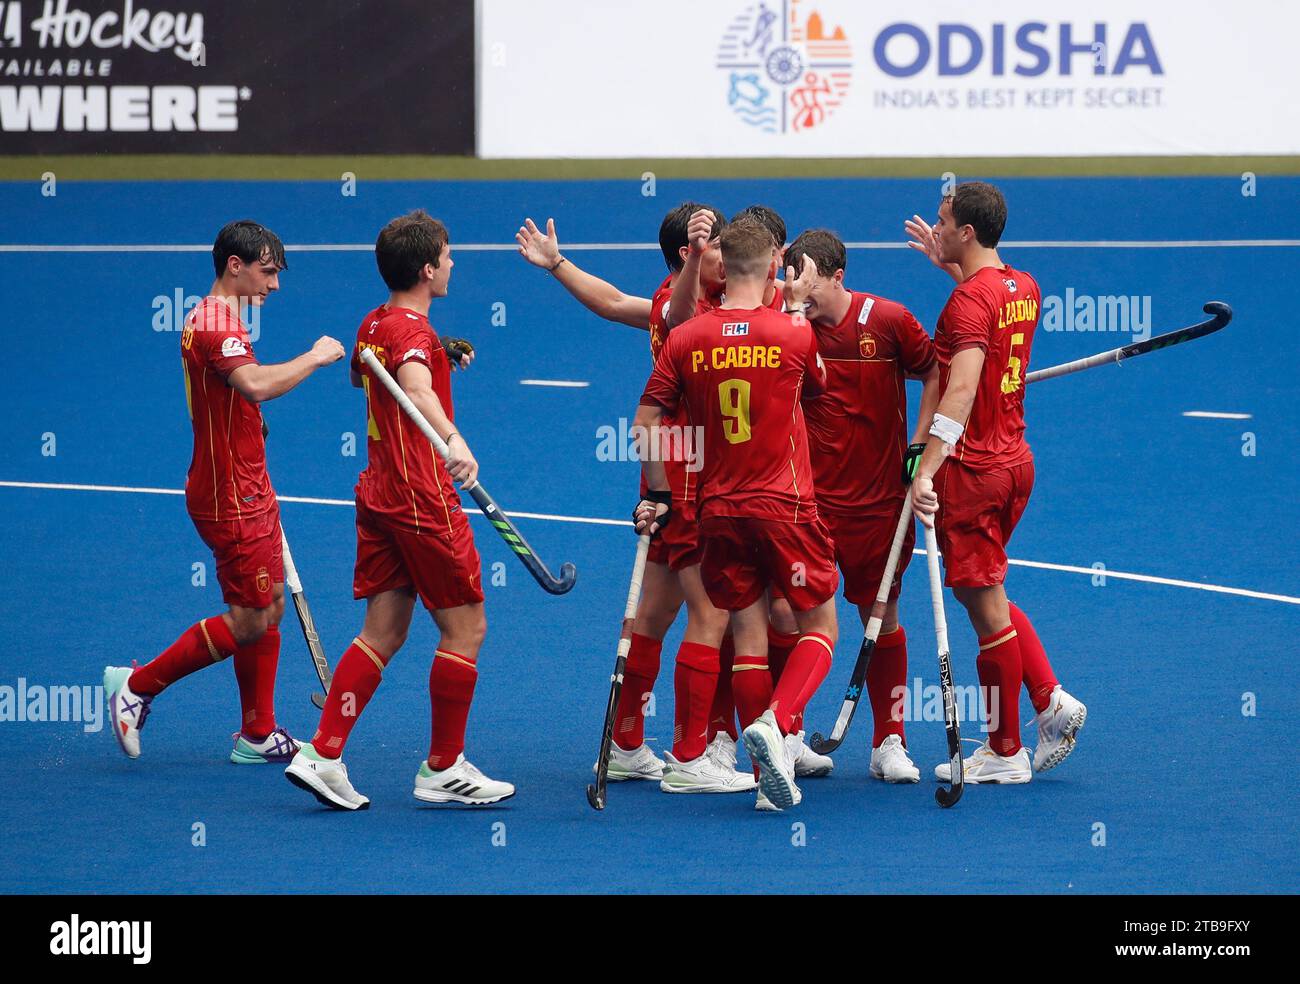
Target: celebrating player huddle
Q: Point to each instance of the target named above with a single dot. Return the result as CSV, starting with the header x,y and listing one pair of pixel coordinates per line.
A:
x,y
797,388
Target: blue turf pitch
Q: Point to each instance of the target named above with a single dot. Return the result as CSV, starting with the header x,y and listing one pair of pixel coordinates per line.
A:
x,y
1191,791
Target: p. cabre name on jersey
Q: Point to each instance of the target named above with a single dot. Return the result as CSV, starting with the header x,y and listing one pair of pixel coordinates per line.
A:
x,y
737,357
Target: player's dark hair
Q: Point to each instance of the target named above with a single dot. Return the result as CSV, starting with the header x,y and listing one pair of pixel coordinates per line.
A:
x,y
672,231
982,207
823,247
406,244
249,241
769,217
746,248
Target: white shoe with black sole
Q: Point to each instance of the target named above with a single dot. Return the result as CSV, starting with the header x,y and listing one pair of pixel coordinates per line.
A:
x,y
326,779
461,782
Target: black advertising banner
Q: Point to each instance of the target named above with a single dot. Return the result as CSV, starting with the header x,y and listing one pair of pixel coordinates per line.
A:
x,y
237,76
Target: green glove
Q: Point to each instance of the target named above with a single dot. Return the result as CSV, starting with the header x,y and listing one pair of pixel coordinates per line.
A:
x,y
911,461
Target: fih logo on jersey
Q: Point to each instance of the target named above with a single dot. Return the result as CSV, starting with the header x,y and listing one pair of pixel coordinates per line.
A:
x,y
786,69
735,328
1011,285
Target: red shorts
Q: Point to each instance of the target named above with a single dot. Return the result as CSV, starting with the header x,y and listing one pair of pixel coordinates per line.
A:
x,y
678,543
249,554
977,513
743,557
445,571
862,543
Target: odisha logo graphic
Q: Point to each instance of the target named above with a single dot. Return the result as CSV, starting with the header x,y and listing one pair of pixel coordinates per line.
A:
x,y
786,70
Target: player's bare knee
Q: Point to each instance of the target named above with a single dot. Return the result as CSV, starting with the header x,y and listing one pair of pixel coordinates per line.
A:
x,y
247,625
783,619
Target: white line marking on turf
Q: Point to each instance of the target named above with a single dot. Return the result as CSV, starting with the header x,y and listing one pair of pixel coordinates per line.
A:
x,y
1216,415
563,383
651,247
594,521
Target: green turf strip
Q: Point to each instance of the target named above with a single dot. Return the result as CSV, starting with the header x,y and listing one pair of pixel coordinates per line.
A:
x,y
163,167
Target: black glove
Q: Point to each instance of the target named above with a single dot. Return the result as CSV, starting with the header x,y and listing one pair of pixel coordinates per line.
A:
x,y
911,460
457,349
656,498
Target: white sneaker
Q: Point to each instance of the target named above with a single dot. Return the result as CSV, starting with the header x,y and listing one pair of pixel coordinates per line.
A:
x,y
764,805
985,765
723,750
890,762
324,778
639,763
127,710
277,747
703,775
807,763
460,782
1058,726
766,746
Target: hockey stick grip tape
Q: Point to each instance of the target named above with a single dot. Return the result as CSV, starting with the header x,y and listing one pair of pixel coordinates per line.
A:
x,y
290,569
936,588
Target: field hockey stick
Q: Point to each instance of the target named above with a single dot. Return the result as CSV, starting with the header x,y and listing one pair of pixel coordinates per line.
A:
x,y
596,790
857,682
499,520
946,797
305,620
1221,315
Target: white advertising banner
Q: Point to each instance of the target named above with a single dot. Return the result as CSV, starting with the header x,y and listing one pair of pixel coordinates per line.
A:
x,y
861,78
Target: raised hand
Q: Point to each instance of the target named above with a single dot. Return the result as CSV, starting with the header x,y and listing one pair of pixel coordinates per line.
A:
x,y
699,229
541,250
925,241
799,286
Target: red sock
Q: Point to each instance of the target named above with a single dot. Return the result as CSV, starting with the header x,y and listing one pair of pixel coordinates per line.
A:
x,y
694,681
751,684
451,688
999,670
255,667
887,685
779,647
1037,673
723,715
639,677
804,672
205,642
355,680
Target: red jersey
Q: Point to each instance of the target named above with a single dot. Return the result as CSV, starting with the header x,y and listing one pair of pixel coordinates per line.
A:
x,y
995,310
405,480
676,452
739,376
227,478
857,429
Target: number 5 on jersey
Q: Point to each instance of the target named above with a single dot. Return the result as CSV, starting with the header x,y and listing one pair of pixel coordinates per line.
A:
x,y
1011,379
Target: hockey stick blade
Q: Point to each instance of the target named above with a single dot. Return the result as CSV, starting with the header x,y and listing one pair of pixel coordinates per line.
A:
x,y
824,746
1220,314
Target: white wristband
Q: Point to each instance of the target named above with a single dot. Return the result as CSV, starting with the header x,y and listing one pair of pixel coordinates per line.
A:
x,y
946,429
